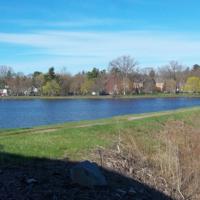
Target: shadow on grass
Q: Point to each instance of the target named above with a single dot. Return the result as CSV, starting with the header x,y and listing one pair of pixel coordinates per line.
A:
x,y
49,179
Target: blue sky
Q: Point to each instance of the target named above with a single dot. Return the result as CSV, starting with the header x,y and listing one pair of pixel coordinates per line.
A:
x,y
82,34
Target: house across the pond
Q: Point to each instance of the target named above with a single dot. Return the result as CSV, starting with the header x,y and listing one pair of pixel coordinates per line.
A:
x,y
3,92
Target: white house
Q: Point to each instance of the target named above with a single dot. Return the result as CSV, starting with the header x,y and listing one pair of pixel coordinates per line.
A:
x,y
160,86
3,92
31,91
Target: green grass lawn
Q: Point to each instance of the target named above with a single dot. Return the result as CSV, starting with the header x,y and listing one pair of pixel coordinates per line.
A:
x,y
76,139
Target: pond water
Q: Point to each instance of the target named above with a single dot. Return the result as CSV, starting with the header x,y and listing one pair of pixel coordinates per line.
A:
x,y
35,112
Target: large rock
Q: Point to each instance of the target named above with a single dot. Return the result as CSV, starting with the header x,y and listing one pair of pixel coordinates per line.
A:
x,y
87,174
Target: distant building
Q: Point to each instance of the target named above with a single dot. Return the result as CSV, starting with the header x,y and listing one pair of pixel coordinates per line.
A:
x,y
3,92
32,91
35,90
149,85
137,86
160,86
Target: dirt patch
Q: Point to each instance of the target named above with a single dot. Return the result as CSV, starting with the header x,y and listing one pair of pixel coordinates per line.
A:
x,y
45,130
147,116
90,125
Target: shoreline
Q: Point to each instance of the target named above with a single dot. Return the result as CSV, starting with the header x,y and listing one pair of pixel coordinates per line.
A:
x,y
145,96
101,121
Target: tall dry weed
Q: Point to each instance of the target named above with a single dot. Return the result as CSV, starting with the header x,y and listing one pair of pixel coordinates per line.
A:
x,y
174,165
178,159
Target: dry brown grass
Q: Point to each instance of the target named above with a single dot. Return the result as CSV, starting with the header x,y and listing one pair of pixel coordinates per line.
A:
x,y
173,166
179,160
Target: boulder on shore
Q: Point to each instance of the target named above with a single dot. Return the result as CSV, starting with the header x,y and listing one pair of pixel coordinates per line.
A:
x,y
87,174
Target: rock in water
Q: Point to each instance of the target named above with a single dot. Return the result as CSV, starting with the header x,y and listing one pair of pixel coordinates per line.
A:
x,y
87,174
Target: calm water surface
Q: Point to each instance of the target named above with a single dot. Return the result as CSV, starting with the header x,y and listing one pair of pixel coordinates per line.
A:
x,y
29,113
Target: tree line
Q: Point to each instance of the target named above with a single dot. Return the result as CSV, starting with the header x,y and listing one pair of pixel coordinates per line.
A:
x,y
122,77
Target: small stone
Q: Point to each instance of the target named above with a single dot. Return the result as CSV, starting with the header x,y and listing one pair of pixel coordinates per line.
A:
x,y
120,191
109,164
131,170
1,171
87,174
117,196
132,191
31,181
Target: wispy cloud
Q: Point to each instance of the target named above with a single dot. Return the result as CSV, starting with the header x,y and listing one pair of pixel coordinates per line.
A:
x,y
74,48
67,23
74,42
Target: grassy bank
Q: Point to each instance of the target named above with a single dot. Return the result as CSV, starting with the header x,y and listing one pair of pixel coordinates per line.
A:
x,y
160,150
73,139
158,95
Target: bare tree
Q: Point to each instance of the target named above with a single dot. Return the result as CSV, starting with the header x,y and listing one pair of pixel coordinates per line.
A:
x,y
5,70
173,71
113,81
5,73
195,70
19,84
77,82
64,82
126,65
170,86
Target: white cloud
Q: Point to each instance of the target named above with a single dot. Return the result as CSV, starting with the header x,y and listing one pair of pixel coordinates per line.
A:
x,y
74,48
